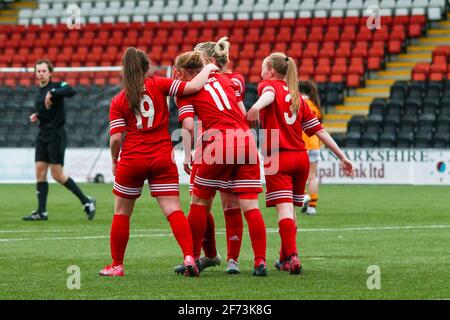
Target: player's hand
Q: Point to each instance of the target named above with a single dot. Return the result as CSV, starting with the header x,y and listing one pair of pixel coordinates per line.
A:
x,y
114,168
187,165
187,168
33,117
48,100
347,166
212,67
253,118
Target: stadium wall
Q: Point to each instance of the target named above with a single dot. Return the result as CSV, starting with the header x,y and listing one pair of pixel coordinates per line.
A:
x,y
373,166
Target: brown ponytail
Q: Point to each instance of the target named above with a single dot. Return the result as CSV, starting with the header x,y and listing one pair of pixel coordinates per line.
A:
x,y
135,67
309,88
191,61
286,67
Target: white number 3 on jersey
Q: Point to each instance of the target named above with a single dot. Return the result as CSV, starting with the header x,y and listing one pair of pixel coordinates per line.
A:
x,y
149,114
289,119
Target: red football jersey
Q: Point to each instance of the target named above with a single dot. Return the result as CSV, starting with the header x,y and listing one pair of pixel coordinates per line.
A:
x,y
215,105
149,130
238,80
278,115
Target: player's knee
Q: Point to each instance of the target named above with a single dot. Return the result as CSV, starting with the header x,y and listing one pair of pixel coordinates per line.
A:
x,y
228,204
58,177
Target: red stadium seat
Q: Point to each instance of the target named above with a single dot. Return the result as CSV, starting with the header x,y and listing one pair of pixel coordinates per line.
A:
x,y
353,81
414,30
374,63
263,50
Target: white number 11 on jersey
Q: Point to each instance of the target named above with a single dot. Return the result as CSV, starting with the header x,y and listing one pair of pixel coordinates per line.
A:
x,y
216,98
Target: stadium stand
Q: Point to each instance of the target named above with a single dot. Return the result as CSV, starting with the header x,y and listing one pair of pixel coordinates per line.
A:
x,y
417,114
329,40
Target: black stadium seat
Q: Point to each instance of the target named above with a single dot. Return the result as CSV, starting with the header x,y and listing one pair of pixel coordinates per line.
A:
x,y
405,139
378,106
416,90
408,124
373,124
387,140
423,140
356,124
369,140
352,140
394,107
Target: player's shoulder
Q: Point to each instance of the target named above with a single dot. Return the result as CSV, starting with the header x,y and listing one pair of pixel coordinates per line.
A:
x,y
267,83
119,99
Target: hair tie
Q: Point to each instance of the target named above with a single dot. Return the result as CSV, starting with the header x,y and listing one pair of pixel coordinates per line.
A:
x,y
287,59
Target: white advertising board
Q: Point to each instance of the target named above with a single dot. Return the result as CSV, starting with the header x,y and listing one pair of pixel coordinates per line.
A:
x,y
372,166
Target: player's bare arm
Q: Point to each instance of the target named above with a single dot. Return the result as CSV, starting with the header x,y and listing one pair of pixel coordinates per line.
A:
x,y
200,79
188,139
115,142
266,99
346,164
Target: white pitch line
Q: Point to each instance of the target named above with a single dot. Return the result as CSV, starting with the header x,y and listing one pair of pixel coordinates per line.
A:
x,y
269,230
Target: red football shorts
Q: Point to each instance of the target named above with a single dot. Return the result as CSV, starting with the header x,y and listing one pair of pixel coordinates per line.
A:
x,y
160,171
241,175
288,183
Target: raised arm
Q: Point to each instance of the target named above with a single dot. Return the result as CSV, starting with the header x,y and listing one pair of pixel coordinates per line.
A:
x,y
199,80
264,100
346,164
65,90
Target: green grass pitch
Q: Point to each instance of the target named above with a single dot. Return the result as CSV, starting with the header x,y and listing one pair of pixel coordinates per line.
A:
x,y
404,230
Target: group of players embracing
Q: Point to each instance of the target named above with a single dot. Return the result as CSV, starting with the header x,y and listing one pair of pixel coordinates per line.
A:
x,y
225,158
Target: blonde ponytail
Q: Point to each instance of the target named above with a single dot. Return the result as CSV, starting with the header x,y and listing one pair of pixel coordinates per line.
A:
x,y
286,67
292,83
218,50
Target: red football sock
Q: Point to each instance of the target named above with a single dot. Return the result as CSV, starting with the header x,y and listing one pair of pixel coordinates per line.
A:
x,y
257,230
288,234
209,243
181,231
118,237
197,221
234,228
283,255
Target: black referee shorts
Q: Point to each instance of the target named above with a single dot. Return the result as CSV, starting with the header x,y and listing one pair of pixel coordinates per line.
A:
x,y
51,146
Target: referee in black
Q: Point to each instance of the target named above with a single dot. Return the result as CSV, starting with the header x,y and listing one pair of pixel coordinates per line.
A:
x,y
51,140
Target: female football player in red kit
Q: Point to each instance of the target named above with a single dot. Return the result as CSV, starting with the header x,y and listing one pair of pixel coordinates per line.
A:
x,y
228,160
281,109
218,52
140,110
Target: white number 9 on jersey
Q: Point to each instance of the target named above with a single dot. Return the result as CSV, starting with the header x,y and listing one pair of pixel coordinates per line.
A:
x,y
149,114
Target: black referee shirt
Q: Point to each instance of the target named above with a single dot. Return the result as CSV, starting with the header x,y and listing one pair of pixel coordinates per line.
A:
x,y
55,117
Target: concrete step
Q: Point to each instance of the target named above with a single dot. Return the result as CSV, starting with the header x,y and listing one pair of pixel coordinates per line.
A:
x,y
421,49
438,41
436,33
24,5
395,75
354,109
379,83
333,128
414,57
373,92
337,117
400,65
8,19
357,101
